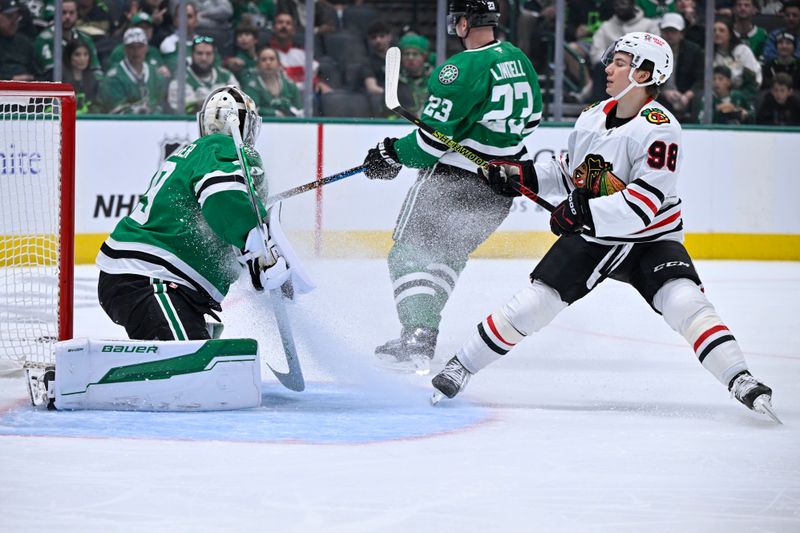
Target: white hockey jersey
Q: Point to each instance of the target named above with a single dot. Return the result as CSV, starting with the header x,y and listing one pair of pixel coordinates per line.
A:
x,y
631,172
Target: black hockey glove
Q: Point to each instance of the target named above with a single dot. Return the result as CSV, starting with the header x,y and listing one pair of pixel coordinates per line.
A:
x,y
506,177
571,215
382,161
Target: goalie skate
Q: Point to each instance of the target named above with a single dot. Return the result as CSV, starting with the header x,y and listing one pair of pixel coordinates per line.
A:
x,y
411,353
753,394
39,388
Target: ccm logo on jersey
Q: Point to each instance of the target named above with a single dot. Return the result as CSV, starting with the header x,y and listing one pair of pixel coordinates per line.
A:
x,y
669,264
130,349
655,116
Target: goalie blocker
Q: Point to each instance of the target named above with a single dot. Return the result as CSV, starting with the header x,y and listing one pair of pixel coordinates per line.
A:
x,y
203,375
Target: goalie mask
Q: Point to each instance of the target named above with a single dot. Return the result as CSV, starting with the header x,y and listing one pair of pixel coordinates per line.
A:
x,y
643,47
218,105
477,12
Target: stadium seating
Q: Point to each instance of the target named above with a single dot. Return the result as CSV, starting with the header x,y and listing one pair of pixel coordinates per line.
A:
x,y
342,103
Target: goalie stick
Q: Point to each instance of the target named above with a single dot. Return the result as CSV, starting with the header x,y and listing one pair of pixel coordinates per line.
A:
x,y
293,379
294,191
393,102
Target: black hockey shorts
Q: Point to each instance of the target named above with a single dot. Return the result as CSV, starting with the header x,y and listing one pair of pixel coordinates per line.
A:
x,y
151,309
450,210
572,261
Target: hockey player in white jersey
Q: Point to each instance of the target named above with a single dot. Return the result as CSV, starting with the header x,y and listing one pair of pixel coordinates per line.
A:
x,y
621,219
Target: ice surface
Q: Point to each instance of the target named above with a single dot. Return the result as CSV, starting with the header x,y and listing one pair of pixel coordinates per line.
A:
x,y
604,421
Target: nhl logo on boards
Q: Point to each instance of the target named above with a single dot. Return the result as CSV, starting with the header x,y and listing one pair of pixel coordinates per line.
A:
x,y
169,145
448,74
655,116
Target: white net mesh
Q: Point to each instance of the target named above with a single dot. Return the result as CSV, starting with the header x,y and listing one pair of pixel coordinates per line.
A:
x,y
30,153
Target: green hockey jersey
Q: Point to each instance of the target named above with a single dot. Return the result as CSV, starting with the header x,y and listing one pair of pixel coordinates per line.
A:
x,y
123,91
185,227
118,54
288,103
487,99
44,48
197,89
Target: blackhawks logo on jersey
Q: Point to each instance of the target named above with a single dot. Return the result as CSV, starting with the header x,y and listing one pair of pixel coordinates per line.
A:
x,y
595,174
448,74
655,116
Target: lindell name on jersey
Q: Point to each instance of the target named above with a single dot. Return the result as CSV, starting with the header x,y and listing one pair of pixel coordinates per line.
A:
x,y
508,69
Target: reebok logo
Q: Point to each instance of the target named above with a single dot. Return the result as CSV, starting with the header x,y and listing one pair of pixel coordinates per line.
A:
x,y
129,349
669,264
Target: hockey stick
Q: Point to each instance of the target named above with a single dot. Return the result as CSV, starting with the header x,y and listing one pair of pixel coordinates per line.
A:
x,y
294,191
293,379
393,103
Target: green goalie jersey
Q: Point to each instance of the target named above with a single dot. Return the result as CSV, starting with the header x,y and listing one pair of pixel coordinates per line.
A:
x,y
185,227
487,99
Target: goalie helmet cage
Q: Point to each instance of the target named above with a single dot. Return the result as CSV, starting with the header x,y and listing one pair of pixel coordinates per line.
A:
x,y
37,196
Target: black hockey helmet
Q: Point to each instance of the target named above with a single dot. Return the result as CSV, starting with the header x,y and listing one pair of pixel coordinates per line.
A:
x,y
477,12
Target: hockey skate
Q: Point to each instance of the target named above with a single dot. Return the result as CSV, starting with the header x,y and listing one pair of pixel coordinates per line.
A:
x,y
40,386
753,394
450,381
412,352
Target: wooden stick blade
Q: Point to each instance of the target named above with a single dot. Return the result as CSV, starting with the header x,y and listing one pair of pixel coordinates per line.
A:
x,y
392,77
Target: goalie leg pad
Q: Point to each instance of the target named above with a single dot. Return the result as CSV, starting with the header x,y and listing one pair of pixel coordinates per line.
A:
x,y
205,375
528,311
688,311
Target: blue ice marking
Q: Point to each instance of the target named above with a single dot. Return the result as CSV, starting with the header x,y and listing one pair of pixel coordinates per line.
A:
x,y
326,413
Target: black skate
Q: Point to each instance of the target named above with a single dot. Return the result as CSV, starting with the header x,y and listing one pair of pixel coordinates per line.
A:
x,y
412,352
450,381
753,394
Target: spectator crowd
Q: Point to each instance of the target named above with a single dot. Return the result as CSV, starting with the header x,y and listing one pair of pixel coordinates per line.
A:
x,y
121,56
755,57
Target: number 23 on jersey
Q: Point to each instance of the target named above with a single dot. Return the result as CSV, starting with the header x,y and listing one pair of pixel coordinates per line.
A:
x,y
516,105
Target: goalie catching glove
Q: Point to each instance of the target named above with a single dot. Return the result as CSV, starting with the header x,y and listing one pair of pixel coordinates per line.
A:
x,y
382,162
507,177
267,267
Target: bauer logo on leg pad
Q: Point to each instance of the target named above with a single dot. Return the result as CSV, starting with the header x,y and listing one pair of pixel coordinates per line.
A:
x,y
200,375
129,349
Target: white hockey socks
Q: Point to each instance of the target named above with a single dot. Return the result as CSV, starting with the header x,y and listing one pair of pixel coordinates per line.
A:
x,y
528,311
687,310
210,375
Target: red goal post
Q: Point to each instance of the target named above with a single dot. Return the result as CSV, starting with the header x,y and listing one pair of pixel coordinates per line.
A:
x,y
37,199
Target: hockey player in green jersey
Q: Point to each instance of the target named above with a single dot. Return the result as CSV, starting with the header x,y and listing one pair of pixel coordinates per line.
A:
x,y
486,98
172,260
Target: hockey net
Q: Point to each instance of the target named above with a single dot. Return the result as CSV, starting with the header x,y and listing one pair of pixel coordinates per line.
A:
x,y
37,160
